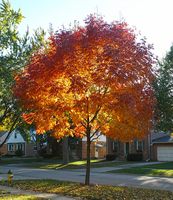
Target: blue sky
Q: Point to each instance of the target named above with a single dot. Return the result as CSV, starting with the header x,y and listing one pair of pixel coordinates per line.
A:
x,y
153,18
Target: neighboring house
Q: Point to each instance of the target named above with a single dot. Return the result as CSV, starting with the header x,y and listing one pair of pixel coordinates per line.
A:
x,y
156,146
162,147
121,149
98,148
14,142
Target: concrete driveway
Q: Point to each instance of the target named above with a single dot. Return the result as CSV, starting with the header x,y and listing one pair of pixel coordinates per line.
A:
x,y
98,177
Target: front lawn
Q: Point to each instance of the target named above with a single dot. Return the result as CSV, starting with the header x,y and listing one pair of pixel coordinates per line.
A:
x,y
54,163
78,164
94,192
163,169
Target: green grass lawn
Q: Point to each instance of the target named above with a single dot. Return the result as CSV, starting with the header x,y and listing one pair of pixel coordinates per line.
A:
x,y
7,196
163,169
94,192
78,164
54,163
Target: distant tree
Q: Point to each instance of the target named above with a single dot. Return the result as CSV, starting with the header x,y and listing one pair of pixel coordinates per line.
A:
x,y
15,52
164,93
98,75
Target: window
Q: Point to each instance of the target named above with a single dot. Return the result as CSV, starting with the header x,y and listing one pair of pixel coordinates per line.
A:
x,y
115,146
10,147
139,146
126,148
19,147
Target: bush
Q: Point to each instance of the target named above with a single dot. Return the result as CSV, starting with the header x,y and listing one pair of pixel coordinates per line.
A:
x,y
47,155
19,152
135,157
43,153
110,157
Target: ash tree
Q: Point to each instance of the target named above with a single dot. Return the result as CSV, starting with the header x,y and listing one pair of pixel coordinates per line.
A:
x,y
98,75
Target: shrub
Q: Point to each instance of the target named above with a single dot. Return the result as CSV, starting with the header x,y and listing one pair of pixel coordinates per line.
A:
x,y
135,157
19,152
110,157
47,155
43,153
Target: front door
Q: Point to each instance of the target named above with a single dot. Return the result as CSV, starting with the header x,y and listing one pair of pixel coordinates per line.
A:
x,y
126,148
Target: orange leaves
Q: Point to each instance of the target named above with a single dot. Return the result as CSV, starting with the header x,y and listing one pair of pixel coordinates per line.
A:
x,y
29,118
94,76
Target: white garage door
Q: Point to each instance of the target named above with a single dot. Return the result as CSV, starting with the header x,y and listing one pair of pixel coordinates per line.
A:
x,y
165,153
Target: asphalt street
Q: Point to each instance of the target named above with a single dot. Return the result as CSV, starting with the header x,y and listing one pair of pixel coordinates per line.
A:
x,y
99,176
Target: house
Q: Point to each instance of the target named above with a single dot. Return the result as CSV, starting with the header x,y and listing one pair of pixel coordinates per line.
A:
x,y
121,150
98,148
15,142
162,147
156,146
78,148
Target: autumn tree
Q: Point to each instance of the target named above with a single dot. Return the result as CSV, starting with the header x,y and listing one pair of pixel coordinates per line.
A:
x,y
15,51
99,76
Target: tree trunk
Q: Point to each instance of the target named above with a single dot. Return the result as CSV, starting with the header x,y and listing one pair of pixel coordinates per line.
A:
x,y
87,176
65,150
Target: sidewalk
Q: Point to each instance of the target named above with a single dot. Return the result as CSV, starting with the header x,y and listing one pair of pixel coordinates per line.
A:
x,y
50,196
123,166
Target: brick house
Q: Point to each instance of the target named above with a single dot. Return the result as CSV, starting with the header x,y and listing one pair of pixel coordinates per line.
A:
x,y
156,146
121,149
98,148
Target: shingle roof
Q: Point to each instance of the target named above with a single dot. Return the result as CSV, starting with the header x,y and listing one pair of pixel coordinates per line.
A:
x,y
165,139
158,134
2,133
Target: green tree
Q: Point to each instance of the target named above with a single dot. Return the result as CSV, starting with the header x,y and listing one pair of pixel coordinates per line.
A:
x,y
15,52
164,93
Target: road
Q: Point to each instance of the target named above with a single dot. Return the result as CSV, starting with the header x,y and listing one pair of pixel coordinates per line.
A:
x,y
97,177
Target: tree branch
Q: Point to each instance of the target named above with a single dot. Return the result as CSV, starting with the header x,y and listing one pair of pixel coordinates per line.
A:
x,y
95,138
95,132
83,125
11,129
96,113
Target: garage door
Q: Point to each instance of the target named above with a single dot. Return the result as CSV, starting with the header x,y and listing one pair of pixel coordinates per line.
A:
x,y
165,153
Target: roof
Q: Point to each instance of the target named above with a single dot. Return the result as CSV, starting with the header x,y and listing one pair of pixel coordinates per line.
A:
x,y
158,134
2,133
12,137
165,139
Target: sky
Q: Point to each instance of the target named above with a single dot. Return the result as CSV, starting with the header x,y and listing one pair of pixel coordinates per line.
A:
x,y
152,18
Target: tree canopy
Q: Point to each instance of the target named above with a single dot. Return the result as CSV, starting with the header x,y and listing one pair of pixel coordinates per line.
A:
x,y
97,73
15,52
164,93
91,79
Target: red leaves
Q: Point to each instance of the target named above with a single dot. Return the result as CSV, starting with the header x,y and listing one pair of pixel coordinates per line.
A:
x,y
94,72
